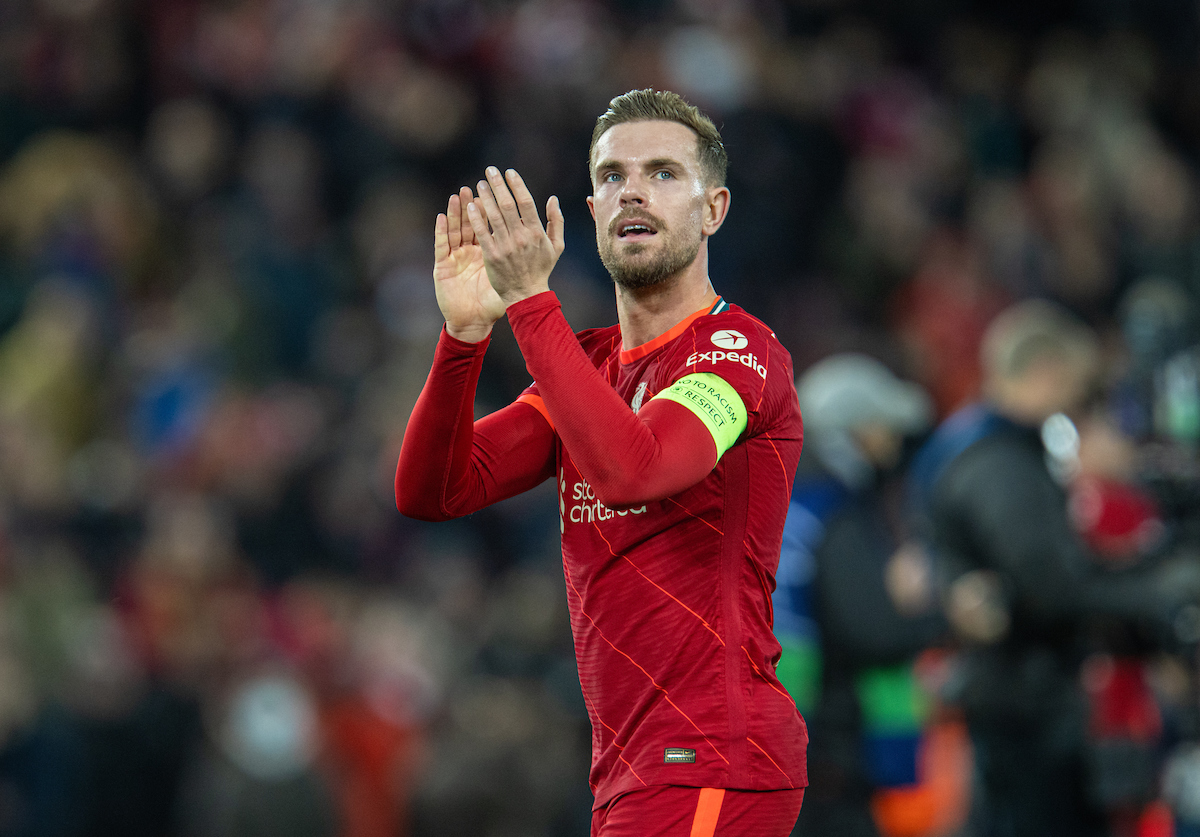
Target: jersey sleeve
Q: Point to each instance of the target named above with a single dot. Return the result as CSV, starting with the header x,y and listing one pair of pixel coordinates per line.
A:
x,y
627,458
747,357
451,465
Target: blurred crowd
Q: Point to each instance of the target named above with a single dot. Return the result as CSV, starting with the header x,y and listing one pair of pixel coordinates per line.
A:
x,y
215,314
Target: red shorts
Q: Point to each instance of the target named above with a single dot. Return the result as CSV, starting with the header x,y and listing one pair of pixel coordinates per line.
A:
x,y
669,811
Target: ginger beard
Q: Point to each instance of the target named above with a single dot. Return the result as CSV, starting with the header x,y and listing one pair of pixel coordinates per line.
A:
x,y
630,269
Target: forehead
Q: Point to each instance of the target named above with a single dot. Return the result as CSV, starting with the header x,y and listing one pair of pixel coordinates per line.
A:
x,y
630,143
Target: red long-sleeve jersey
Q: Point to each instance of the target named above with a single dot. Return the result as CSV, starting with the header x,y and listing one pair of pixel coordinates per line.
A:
x,y
669,553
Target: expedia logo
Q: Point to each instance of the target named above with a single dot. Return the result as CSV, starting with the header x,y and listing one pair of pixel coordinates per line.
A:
x,y
717,356
729,339
585,507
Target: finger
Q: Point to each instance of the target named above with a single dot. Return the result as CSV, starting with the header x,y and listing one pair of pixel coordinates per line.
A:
x,y
504,199
441,238
465,196
479,226
490,209
555,225
524,200
453,223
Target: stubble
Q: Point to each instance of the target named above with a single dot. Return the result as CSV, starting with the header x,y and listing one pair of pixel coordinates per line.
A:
x,y
634,273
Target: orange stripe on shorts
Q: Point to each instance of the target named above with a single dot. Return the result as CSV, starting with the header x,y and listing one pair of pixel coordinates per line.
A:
x,y
708,809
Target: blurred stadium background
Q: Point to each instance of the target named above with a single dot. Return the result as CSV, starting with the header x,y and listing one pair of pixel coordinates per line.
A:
x,y
216,312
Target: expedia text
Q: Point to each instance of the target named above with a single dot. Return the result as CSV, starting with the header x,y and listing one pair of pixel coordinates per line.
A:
x,y
716,356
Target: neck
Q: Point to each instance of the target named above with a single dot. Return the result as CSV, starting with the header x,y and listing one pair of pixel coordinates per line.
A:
x,y
645,313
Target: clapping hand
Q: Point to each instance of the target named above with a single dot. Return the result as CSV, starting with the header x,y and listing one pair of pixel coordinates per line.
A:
x,y
460,280
518,252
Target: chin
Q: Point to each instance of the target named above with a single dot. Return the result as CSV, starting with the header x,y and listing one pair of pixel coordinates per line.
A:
x,y
640,265
640,282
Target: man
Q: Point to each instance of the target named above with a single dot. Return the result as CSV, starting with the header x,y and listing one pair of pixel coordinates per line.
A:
x,y
673,438
1021,588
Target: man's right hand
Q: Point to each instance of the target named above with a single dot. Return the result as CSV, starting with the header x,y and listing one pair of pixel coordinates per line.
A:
x,y
467,300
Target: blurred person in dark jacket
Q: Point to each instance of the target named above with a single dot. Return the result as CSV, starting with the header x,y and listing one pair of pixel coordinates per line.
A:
x,y
854,604
1020,586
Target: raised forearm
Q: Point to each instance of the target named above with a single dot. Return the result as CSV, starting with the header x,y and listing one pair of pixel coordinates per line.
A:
x,y
450,465
438,439
628,459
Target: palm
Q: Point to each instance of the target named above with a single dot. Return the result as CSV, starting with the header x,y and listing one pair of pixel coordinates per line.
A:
x,y
464,294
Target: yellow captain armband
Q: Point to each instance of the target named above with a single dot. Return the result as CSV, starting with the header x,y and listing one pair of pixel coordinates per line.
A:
x,y
715,402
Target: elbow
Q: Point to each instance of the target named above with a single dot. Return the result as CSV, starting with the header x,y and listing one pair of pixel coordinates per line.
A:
x,y
421,512
412,501
417,510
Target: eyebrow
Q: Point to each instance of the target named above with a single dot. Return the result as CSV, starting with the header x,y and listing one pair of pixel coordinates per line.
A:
x,y
664,162
656,163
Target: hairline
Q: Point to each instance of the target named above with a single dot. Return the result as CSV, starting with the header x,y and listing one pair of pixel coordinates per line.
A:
x,y
705,171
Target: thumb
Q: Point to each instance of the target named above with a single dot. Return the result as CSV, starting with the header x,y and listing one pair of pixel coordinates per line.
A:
x,y
554,224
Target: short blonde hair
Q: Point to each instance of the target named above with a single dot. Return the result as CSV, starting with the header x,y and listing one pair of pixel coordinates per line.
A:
x,y
648,105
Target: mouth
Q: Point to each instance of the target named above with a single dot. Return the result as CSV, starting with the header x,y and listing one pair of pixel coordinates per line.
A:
x,y
635,229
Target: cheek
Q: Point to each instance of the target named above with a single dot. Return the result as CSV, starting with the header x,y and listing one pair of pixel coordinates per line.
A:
x,y
604,208
698,202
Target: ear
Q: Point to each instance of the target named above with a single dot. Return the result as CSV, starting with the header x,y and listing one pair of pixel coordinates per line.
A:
x,y
591,202
715,210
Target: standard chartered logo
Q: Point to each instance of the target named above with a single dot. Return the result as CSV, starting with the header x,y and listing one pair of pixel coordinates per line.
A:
x,y
579,504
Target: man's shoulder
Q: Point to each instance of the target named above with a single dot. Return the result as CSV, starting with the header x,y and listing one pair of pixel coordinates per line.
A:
x,y
734,341
736,319
738,312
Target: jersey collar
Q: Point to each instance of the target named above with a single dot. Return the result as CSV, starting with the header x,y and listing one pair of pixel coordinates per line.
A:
x,y
639,352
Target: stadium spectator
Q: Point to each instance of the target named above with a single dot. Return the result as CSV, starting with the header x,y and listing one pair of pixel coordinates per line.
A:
x,y
1021,586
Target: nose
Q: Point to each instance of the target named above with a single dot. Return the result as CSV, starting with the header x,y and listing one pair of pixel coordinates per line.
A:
x,y
633,192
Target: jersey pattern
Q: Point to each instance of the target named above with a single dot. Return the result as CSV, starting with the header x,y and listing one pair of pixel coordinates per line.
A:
x,y
671,601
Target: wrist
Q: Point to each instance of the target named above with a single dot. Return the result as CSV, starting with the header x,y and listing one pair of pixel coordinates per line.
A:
x,y
530,312
469,334
515,295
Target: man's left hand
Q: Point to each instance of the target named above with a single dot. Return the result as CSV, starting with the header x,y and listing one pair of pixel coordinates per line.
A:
x,y
518,251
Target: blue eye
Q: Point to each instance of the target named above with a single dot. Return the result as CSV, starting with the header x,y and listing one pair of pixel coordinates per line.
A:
x,y
611,177
663,175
